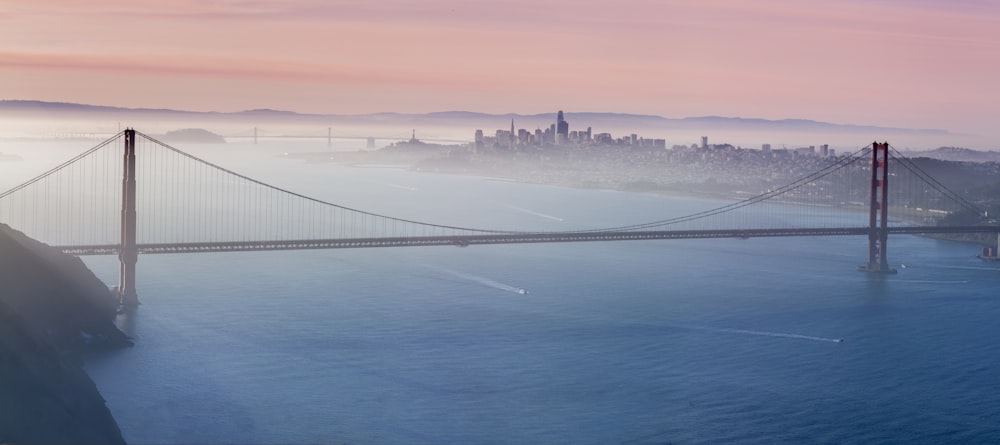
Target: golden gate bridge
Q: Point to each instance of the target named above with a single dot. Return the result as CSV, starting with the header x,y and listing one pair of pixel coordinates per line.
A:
x,y
133,194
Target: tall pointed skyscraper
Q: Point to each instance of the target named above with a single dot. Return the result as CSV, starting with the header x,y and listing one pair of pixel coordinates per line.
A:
x,y
562,129
513,135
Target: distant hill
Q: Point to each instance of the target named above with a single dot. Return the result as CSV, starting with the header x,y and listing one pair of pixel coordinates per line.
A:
x,y
645,120
957,154
469,118
801,125
66,107
52,308
197,135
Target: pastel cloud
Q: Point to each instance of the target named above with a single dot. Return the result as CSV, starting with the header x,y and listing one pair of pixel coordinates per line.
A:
x,y
769,58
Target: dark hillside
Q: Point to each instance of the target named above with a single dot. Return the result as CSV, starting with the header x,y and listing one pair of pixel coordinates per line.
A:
x,y
51,310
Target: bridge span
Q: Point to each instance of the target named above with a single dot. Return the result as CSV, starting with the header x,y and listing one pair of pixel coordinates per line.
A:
x,y
146,197
518,238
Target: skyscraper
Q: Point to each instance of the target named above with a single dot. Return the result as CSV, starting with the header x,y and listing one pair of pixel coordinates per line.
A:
x,y
513,135
562,129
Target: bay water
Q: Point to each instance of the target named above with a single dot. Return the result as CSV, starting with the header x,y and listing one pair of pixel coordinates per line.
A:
x,y
683,341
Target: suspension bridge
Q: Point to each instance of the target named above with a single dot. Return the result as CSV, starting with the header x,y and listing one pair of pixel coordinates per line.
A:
x,y
133,194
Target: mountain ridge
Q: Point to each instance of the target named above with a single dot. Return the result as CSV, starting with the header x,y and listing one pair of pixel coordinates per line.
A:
x,y
709,120
956,154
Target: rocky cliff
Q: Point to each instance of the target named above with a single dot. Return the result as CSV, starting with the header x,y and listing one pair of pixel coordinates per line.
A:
x,y
52,309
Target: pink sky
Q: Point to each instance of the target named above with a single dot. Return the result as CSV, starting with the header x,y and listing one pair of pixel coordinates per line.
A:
x,y
915,64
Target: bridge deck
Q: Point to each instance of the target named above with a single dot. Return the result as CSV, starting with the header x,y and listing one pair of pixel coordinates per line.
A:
x,y
515,238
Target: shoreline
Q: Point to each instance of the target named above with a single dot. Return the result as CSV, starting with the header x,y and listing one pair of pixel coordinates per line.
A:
x,y
54,314
475,171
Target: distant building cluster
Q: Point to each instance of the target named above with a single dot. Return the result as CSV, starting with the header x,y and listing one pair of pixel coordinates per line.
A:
x,y
727,152
557,134
824,151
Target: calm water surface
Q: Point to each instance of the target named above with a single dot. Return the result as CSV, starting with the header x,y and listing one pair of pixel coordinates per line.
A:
x,y
691,341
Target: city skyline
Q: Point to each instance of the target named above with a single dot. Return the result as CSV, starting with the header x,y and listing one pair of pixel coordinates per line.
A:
x,y
889,63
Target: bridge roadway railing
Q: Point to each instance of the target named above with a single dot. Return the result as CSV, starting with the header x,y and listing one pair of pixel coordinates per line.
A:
x,y
518,238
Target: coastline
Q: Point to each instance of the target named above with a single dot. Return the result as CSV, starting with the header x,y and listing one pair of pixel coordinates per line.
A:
x,y
53,313
445,161
420,162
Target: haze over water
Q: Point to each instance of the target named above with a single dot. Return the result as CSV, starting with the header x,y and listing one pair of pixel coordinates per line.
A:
x,y
688,341
691,341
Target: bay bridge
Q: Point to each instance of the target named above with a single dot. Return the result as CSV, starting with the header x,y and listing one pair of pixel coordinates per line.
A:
x,y
133,194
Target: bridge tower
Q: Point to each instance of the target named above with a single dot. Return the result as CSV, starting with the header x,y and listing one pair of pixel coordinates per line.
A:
x,y
128,253
878,208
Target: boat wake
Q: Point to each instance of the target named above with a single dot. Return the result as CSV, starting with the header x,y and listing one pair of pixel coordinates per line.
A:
x,y
534,213
968,268
768,334
397,186
481,280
